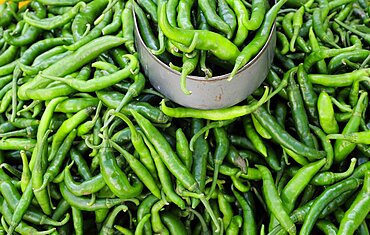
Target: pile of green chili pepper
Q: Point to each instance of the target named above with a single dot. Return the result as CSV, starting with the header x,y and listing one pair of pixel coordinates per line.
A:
x,y
89,147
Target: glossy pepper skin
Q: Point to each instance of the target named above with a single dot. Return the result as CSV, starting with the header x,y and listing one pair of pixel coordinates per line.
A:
x,y
198,39
359,208
115,178
71,63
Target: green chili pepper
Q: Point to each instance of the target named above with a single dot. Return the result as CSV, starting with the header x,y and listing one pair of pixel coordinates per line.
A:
x,y
56,21
140,147
34,70
253,136
5,80
274,202
8,55
326,226
115,178
225,208
326,145
171,160
365,36
7,11
71,62
17,144
259,128
353,94
146,32
308,94
242,15
92,34
113,99
157,224
173,223
336,62
31,33
59,3
144,210
89,186
13,198
101,215
259,8
128,27
321,54
324,198
116,23
57,161
83,203
198,39
343,148
133,91
172,12
77,220
299,113
22,228
41,46
282,43
259,39
73,105
274,80
317,22
326,114
86,17
249,225
44,125
60,210
6,101
328,178
301,179
339,80
200,154
281,136
101,82
218,114
221,150
235,225
183,149
26,173
166,153
234,157
202,24
217,212
297,24
227,15
208,127
212,18
38,169
67,126
140,170
49,53
107,227
21,208
184,14
287,25
150,7
8,68
164,176
355,137
123,230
